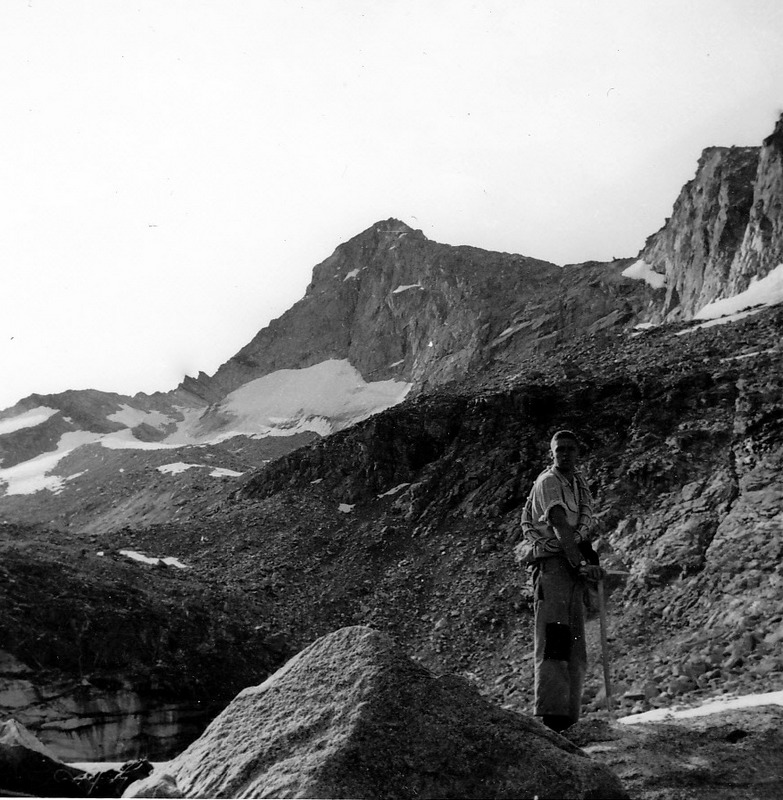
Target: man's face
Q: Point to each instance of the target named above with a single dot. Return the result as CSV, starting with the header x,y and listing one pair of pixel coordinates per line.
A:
x,y
565,452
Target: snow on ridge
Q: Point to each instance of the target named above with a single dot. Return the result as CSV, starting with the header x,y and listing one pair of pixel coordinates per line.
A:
x,y
323,398
31,476
34,475
27,419
641,271
766,291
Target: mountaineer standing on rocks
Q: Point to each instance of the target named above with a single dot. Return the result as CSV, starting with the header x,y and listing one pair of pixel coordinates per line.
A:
x,y
555,524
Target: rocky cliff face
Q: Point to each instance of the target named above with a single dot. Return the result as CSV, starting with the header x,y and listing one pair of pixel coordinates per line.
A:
x,y
725,230
761,249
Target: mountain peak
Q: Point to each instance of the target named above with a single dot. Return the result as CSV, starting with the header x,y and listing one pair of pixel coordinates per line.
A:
x,y
391,225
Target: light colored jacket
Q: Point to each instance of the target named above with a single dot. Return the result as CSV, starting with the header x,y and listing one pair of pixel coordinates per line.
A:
x,y
552,489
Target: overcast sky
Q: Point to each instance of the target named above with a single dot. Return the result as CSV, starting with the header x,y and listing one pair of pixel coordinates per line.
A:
x,y
171,171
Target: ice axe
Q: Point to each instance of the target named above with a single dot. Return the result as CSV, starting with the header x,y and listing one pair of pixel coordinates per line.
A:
x,y
604,640
605,648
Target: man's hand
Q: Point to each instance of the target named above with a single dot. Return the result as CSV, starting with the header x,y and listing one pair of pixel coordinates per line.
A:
x,y
591,572
522,552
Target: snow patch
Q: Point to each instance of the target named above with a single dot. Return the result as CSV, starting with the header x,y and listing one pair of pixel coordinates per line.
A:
x,y
181,466
28,419
395,490
352,274
127,415
176,468
769,351
407,287
767,291
222,472
168,560
641,271
720,321
712,707
345,508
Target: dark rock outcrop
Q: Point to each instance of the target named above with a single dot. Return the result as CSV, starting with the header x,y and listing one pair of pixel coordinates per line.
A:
x,y
352,716
105,658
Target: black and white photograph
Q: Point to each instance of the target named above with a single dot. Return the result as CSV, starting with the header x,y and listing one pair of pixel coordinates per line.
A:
x,y
391,399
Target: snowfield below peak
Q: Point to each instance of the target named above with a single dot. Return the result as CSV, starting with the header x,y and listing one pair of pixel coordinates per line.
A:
x,y
323,398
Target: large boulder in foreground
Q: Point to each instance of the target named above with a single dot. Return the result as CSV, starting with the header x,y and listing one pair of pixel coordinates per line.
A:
x,y
352,716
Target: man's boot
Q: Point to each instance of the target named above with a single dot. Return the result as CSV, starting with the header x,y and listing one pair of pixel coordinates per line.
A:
x,y
557,722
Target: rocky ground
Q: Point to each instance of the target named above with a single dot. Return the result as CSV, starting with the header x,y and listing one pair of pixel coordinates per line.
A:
x,y
724,756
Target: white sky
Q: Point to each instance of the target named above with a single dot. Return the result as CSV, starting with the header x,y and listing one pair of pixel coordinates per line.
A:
x,y
171,171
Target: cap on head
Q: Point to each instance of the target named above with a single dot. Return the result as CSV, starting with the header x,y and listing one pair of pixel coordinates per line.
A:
x,y
565,435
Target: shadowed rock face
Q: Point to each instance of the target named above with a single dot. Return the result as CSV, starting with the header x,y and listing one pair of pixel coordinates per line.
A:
x,y
697,245
352,716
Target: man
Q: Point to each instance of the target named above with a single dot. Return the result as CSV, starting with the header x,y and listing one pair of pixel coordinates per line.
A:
x,y
556,520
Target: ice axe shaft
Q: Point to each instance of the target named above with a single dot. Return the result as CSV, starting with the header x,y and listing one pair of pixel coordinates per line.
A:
x,y
605,648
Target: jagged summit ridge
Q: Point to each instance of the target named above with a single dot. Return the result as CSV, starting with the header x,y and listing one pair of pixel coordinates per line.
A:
x,y
396,305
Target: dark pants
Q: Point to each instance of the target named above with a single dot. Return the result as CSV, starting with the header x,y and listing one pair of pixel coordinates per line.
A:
x,y
560,651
